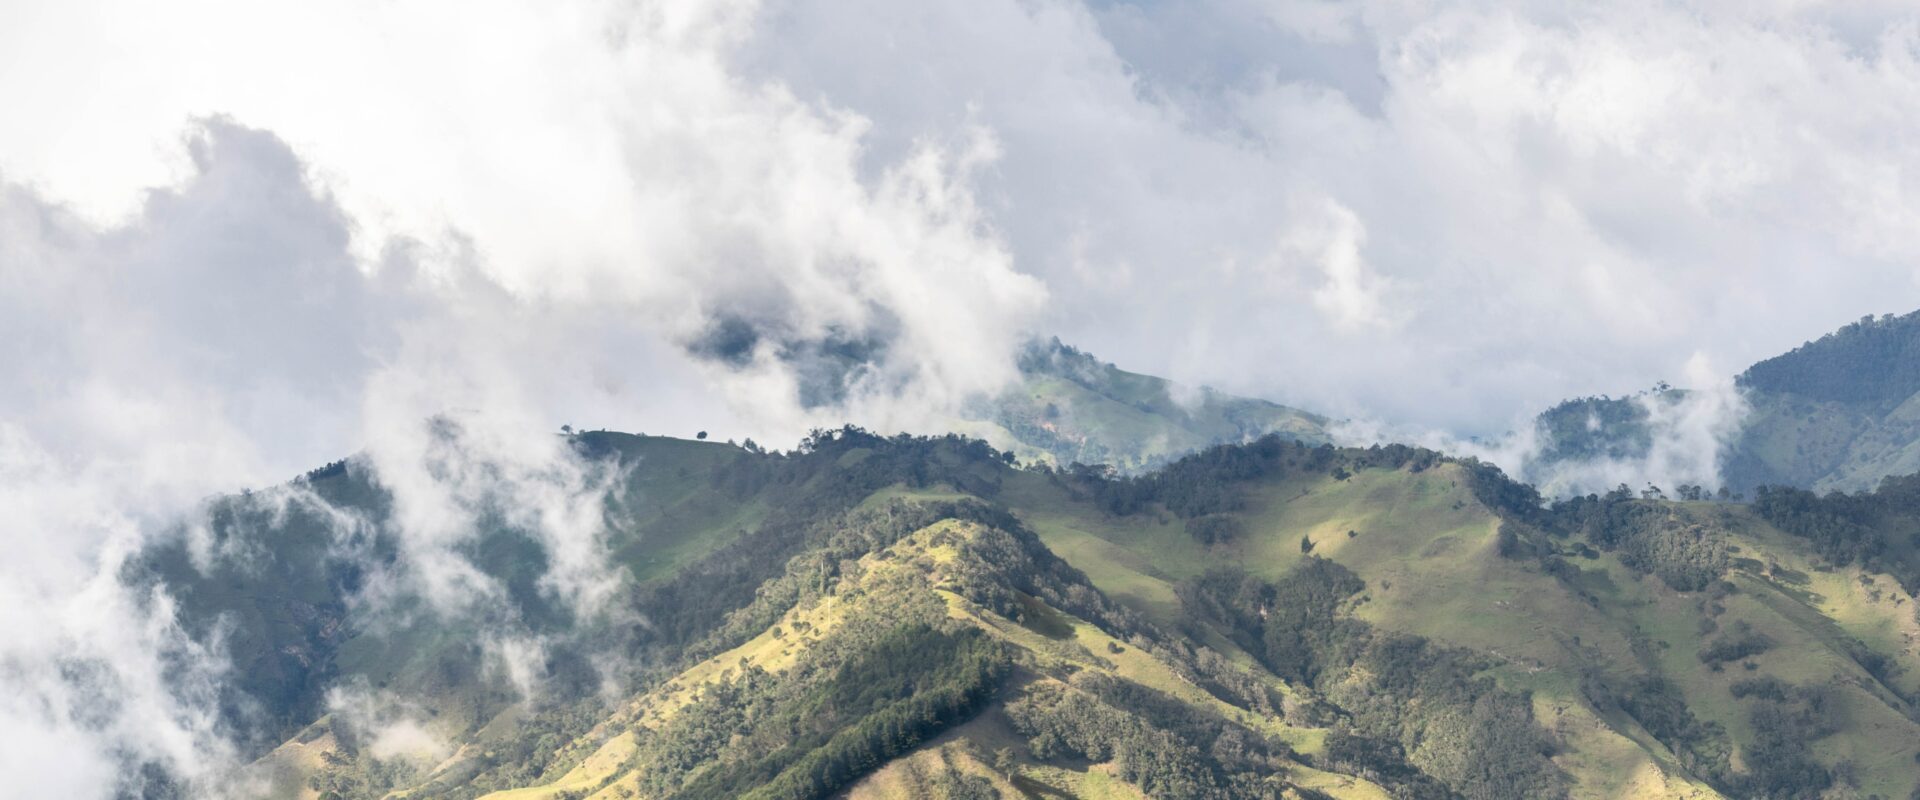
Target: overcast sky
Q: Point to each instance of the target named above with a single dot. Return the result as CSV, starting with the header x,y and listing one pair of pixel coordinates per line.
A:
x,y
1437,215
239,239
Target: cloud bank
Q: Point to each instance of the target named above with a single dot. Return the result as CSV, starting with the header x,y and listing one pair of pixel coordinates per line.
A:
x,y
385,218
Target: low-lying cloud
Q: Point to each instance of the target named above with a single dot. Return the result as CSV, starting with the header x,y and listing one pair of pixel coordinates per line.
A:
x,y
1659,439
230,335
430,233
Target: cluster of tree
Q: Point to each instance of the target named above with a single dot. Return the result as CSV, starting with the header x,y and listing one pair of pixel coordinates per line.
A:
x,y
1418,717
1226,680
880,683
1292,623
277,613
1591,428
1206,483
1877,530
331,469
1786,721
1739,642
998,563
350,775
1053,357
1650,538
806,736
1160,745
1874,360
1215,528
1658,705
1381,760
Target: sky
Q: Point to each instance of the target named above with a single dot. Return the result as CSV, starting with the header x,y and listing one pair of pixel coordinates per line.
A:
x,y
1443,216
241,239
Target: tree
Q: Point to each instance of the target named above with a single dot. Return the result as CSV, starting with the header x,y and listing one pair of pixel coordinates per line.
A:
x,y
1004,761
1306,543
701,436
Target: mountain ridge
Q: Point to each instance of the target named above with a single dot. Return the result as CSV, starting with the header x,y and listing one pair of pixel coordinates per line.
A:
x,y
1115,656
1228,606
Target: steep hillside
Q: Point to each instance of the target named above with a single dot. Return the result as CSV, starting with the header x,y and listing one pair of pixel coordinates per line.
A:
x,y
1070,407
901,617
1643,631
1838,413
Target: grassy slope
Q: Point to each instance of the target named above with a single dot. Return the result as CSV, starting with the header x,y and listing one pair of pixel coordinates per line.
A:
x,y
1420,547
1425,548
965,750
669,517
1827,445
1839,412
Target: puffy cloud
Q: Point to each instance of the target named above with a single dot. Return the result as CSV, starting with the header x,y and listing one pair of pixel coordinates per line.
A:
x,y
594,157
1350,295
254,312
148,378
390,725
1686,439
1555,202
1563,201
434,231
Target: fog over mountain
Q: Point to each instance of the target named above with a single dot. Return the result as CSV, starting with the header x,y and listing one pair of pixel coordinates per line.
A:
x,y
240,240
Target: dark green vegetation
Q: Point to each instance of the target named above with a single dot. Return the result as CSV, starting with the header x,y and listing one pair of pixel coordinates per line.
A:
x,y
1598,427
1418,718
1879,530
917,617
1838,413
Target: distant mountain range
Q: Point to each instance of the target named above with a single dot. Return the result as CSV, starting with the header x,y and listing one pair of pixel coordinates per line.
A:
x,y
1839,413
1070,407
1240,610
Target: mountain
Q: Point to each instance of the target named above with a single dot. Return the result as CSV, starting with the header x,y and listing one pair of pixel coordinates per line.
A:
x,y
907,617
1839,413
1069,407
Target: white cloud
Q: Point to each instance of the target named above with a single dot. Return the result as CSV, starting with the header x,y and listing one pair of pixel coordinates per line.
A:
x,y
1567,201
514,215
388,725
1675,176
1687,437
420,285
590,155
1349,296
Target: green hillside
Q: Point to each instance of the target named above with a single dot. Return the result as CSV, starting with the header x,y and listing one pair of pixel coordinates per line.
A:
x,y
1070,407
1839,413
906,617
